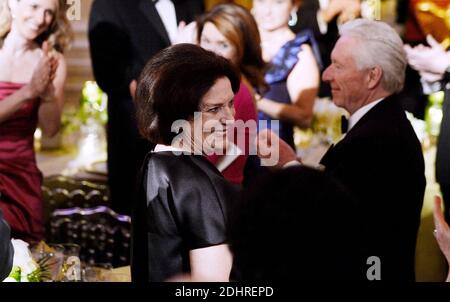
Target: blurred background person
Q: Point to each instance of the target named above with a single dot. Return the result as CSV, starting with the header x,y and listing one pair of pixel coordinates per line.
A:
x,y
321,16
123,36
32,77
294,74
417,24
433,64
301,205
229,30
181,218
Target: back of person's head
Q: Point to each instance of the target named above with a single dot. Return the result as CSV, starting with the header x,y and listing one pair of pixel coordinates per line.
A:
x,y
295,224
172,85
239,27
379,45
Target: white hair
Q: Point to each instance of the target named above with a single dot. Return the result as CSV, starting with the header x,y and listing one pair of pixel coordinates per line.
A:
x,y
378,45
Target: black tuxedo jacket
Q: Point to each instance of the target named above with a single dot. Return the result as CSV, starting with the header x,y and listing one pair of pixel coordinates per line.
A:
x,y
443,149
123,36
380,161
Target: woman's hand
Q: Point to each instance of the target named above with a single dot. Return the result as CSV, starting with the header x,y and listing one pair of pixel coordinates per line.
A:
x,y
273,151
43,74
429,60
441,230
49,94
133,88
187,33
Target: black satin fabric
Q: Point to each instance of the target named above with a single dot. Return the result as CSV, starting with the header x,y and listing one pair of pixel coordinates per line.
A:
x,y
184,205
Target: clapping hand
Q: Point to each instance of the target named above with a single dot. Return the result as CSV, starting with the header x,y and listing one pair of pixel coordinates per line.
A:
x,y
43,75
187,33
346,10
431,62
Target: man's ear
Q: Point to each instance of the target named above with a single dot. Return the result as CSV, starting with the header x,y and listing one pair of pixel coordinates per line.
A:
x,y
374,77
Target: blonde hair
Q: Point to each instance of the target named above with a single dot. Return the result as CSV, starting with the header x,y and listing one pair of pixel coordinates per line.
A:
x,y
59,34
5,18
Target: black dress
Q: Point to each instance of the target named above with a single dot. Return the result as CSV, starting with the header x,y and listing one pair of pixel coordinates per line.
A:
x,y
183,205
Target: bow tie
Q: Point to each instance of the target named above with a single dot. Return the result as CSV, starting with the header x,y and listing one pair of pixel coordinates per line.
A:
x,y
344,124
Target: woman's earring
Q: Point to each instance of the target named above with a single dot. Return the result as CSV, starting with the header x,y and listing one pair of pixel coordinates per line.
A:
x,y
13,16
293,20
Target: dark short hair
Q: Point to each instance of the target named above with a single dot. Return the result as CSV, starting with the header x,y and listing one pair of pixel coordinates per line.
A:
x,y
172,85
296,224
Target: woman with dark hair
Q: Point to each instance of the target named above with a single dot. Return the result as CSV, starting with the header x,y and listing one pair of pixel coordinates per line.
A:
x,y
229,30
184,104
294,74
276,236
33,34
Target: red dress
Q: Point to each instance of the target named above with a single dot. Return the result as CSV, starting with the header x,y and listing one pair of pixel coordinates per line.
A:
x,y
20,178
246,111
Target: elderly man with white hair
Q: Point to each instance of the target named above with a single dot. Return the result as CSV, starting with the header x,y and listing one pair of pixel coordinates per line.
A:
x,y
380,159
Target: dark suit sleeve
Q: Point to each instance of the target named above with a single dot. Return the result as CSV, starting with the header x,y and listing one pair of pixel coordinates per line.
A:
x,y
109,48
6,249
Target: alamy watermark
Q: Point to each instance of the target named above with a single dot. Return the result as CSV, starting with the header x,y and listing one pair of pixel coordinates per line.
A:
x,y
203,136
374,270
73,12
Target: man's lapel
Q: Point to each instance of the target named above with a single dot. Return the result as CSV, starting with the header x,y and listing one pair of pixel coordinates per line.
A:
x,y
181,11
149,10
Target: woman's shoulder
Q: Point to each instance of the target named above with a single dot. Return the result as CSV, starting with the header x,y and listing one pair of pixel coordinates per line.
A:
x,y
191,167
58,55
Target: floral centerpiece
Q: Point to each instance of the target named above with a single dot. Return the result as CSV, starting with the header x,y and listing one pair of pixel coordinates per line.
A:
x,y
325,127
25,268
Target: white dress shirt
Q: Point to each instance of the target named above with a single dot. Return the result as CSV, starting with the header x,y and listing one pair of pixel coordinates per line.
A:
x,y
355,117
165,148
166,10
